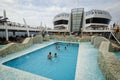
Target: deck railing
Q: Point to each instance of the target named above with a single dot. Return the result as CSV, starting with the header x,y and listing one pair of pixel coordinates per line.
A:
x,y
71,38
114,37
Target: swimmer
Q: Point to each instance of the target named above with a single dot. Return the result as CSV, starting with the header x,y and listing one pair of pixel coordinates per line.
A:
x,y
65,48
49,55
57,46
55,55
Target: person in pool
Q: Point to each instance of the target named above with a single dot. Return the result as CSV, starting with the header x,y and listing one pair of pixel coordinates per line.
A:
x,y
49,55
65,47
55,55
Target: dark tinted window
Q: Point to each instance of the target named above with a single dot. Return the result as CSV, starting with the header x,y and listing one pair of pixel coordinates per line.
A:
x,y
61,22
87,20
97,20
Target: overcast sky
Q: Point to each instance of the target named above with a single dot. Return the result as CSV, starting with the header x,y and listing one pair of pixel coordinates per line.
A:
x,y
37,11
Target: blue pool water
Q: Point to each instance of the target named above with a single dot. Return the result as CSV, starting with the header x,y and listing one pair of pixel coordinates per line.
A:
x,y
61,68
118,55
1,46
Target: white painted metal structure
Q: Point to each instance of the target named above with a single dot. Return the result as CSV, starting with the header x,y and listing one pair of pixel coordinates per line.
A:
x,y
26,27
7,28
17,28
109,30
96,26
61,16
114,37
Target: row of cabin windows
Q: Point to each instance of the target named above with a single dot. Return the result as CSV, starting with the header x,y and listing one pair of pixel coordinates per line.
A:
x,y
61,22
98,20
96,12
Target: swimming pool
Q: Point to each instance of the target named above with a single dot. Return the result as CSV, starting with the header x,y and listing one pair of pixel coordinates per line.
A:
x,y
61,68
118,55
1,46
64,66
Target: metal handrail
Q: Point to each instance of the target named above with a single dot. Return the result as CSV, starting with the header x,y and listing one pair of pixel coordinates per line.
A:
x,y
115,37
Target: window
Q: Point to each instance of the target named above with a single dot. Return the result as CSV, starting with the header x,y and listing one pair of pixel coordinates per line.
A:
x,y
97,20
61,22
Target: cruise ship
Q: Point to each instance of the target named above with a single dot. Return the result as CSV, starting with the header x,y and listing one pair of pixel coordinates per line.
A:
x,y
82,46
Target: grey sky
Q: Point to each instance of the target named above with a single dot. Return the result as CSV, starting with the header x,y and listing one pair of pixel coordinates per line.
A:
x,y
37,11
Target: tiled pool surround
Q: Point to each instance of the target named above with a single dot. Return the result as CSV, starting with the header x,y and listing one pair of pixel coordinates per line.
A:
x,y
25,75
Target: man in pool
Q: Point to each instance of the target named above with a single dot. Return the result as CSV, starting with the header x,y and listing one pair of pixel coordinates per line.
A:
x,y
58,47
49,55
55,55
65,47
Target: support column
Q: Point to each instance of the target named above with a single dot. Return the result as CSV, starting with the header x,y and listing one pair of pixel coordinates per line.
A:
x,y
27,28
14,33
28,34
6,32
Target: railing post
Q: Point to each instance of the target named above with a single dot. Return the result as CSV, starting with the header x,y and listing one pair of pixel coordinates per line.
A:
x,y
28,34
6,31
115,37
27,28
